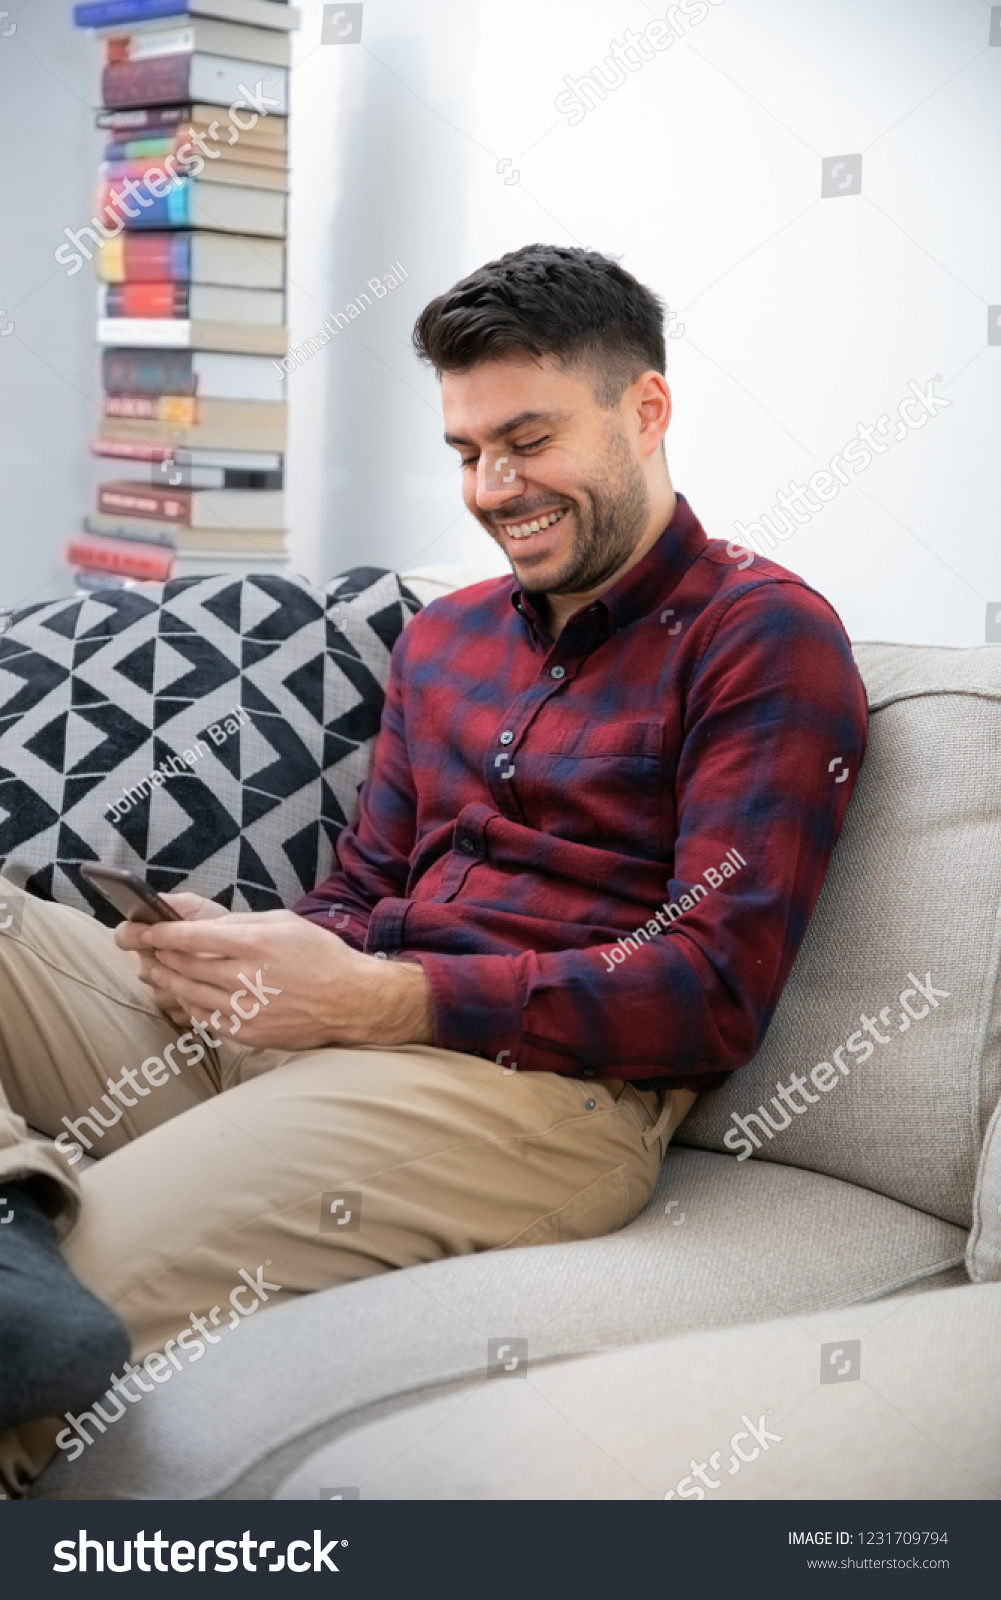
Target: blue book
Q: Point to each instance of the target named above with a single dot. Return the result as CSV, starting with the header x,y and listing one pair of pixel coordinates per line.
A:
x,y
192,203
113,13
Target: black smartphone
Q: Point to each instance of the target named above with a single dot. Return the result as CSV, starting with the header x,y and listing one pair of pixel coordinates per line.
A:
x,y
129,894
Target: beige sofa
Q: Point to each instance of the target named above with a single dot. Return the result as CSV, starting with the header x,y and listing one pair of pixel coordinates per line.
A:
x,y
819,1320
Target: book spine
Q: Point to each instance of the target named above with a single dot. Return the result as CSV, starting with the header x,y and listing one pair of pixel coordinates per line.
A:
x,y
152,258
146,533
114,171
151,372
126,147
168,210
147,46
127,124
134,500
97,554
144,300
106,13
132,450
109,260
179,410
161,80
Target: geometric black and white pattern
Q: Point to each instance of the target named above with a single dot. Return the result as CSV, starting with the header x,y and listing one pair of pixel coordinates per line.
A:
x,y
96,693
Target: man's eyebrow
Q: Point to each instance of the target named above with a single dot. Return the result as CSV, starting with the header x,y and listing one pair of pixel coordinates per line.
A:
x,y
510,425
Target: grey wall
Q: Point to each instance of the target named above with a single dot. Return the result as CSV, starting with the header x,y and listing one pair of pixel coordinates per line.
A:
x,y
49,388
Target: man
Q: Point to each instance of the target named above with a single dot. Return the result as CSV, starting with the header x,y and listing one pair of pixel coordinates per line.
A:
x,y
600,813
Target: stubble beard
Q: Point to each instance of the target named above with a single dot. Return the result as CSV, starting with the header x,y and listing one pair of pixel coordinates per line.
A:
x,y
610,514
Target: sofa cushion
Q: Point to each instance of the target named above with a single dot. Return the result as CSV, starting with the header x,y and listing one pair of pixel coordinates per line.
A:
x,y
912,900
96,693
720,1243
909,1410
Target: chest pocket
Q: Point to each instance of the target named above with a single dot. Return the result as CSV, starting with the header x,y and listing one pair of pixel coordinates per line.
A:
x,y
602,785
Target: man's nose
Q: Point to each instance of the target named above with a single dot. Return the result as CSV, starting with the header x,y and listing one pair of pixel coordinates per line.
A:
x,y
500,477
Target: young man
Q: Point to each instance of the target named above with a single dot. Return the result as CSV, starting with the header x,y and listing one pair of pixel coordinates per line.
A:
x,y
600,812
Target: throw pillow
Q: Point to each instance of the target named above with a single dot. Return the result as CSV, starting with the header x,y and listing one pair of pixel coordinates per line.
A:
x,y
208,733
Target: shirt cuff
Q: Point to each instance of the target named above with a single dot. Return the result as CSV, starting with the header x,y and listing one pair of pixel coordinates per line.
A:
x,y
477,1005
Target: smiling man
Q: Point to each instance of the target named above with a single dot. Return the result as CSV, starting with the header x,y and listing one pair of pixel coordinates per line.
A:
x,y
600,812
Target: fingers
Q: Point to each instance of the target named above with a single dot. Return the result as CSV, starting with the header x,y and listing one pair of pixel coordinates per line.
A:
x,y
241,937
128,936
189,995
195,907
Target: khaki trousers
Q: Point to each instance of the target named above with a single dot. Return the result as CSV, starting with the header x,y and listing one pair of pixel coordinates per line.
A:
x,y
236,1159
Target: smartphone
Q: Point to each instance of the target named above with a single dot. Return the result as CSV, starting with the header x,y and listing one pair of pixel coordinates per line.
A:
x,y
129,894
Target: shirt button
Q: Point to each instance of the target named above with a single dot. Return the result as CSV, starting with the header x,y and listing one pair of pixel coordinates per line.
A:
x,y
468,847
380,955
506,736
557,672
589,1105
589,1072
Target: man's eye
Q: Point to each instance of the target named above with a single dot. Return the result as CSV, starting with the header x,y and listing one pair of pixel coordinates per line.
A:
x,y
535,444
468,461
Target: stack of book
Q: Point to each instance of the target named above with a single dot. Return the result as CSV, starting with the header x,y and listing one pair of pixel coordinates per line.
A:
x,y
188,241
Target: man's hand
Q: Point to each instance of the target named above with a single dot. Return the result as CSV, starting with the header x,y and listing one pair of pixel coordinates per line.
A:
x,y
272,980
193,908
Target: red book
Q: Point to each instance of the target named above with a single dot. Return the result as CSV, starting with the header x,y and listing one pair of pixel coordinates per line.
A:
x,y
163,79
134,450
141,500
154,257
146,300
150,562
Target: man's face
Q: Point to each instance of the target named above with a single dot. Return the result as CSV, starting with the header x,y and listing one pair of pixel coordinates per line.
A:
x,y
570,502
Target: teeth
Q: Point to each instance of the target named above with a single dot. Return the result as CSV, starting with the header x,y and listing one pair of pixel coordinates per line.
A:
x,y
523,530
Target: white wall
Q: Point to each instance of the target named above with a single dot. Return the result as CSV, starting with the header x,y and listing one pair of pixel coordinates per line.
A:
x,y
802,316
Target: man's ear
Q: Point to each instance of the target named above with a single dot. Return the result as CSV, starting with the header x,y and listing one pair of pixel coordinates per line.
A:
x,y
651,405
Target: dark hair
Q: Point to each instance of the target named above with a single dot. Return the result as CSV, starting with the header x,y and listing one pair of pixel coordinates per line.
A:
x,y
548,300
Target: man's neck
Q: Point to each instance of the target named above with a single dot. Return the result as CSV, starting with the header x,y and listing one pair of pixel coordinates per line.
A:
x,y
559,608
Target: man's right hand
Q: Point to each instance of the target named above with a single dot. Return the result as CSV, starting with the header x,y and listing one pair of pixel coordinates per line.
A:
x,y
193,908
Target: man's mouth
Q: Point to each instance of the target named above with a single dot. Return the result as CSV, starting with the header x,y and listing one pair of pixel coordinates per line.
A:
x,y
525,530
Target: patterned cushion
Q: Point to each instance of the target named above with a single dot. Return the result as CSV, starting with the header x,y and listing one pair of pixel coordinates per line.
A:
x,y
97,693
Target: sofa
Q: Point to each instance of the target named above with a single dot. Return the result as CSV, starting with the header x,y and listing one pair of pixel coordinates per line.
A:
x,y
810,1304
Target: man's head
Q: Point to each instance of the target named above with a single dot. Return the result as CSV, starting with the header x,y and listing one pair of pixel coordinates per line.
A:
x,y
552,366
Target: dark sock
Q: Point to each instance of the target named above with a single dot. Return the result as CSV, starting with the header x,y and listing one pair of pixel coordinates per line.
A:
x,y
59,1344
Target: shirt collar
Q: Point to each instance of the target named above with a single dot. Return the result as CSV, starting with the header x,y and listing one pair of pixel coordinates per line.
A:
x,y
644,586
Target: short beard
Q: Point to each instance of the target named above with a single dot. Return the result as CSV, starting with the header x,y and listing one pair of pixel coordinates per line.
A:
x,y
612,513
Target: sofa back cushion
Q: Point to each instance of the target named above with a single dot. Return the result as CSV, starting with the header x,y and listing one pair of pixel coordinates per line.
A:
x,y
911,904
239,713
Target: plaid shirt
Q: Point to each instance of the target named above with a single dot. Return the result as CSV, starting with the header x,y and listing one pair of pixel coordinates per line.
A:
x,y
688,746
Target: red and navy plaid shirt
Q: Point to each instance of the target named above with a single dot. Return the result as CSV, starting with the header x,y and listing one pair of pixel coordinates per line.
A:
x,y
688,745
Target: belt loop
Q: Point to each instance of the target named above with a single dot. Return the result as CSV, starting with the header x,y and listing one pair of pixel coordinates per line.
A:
x,y
663,1121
